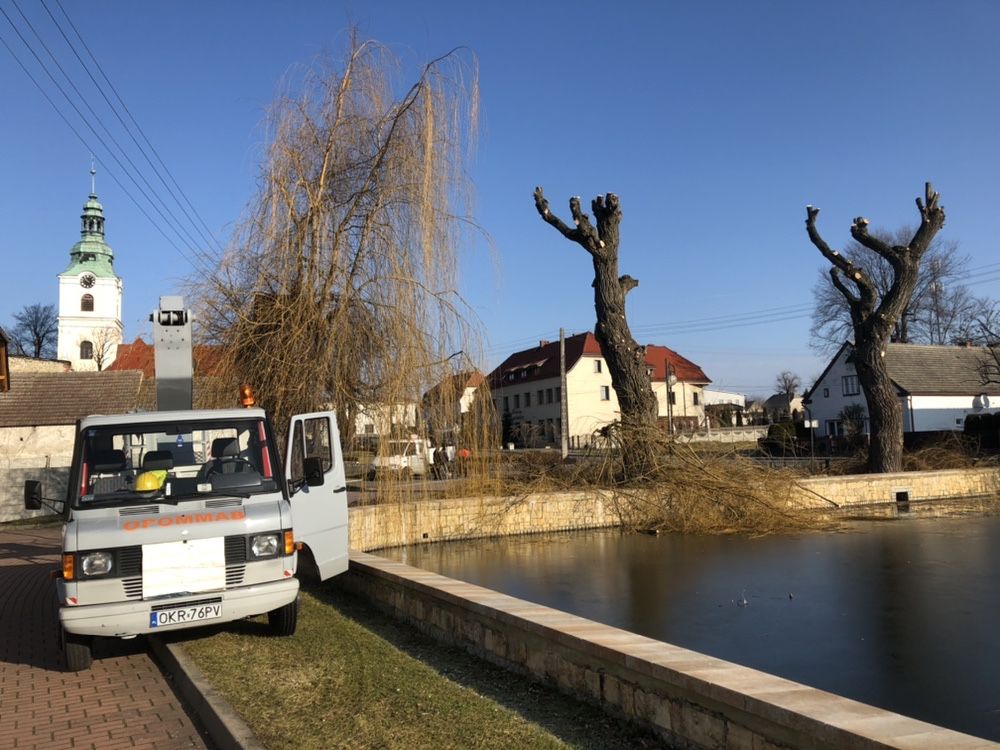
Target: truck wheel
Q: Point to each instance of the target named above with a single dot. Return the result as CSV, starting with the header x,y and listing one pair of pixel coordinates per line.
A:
x,y
282,621
77,649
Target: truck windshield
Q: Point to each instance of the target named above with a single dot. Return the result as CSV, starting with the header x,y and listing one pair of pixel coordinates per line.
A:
x,y
172,461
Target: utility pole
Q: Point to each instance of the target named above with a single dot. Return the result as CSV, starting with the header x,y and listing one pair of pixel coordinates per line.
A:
x,y
671,379
563,406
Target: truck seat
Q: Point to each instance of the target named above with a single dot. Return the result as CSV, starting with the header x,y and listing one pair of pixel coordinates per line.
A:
x,y
109,472
157,460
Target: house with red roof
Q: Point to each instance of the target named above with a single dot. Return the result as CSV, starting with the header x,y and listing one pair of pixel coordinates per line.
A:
x,y
141,356
527,393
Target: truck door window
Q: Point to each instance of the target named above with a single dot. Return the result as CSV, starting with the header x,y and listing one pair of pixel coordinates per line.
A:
x,y
317,437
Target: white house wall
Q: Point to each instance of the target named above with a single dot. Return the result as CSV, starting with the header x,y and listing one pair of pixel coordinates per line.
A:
x,y
828,398
931,413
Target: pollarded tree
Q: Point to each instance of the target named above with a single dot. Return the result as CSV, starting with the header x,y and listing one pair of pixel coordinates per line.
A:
x,y
626,359
940,310
874,316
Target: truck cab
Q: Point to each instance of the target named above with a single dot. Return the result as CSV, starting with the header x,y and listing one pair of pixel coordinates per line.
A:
x,y
183,517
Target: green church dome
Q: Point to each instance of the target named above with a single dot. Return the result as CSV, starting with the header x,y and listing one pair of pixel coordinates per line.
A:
x,y
91,254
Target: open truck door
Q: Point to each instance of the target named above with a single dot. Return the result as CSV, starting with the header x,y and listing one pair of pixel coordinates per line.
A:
x,y
314,469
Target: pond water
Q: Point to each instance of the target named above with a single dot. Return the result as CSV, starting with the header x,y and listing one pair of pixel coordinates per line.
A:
x,y
900,614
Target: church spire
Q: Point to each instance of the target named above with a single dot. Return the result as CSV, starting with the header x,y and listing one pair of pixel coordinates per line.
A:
x,y
92,253
93,211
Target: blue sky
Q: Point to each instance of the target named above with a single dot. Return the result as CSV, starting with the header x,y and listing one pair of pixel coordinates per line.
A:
x,y
714,122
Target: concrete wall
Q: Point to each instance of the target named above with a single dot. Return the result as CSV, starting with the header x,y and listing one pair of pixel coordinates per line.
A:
x,y
43,453
30,364
689,699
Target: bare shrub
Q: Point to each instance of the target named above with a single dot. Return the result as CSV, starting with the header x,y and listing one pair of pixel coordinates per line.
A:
x,y
684,490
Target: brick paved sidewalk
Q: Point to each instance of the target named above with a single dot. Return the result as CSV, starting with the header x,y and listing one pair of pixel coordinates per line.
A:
x,y
123,701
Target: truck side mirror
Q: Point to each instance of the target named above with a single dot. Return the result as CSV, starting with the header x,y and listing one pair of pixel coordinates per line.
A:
x,y
32,494
313,468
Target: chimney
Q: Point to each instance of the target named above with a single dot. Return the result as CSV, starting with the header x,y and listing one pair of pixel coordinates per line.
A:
x,y
543,342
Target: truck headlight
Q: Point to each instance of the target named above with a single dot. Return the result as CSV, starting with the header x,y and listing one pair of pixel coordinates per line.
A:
x,y
96,563
264,545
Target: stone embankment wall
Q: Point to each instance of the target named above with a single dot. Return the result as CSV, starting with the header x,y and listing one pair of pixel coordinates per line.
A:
x,y
689,699
378,526
860,490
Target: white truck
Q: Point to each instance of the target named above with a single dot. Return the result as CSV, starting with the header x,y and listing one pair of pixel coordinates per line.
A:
x,y
181,517
403,458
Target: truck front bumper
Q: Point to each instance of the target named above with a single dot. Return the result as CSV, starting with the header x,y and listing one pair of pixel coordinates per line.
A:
x,y
125,619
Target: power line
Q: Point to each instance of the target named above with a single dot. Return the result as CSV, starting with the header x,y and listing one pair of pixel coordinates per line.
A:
x,y
207,235
172,221
82,140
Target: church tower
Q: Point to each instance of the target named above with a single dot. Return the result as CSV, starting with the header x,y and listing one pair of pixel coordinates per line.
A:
x,y
90,295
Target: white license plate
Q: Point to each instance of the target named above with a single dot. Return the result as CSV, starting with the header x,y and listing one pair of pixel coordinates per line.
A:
x,y
184,615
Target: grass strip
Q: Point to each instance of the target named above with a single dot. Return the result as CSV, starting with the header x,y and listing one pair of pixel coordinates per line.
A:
x,y
352,677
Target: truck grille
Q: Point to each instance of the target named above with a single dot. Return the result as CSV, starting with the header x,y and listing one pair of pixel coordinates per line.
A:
x,y
224,502
133,587
234,575
139,510
130,565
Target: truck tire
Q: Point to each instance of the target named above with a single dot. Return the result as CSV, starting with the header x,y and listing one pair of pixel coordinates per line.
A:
x,y
282,621
78,651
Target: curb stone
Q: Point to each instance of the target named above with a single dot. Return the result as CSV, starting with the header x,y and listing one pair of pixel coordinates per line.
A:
x,y
227,730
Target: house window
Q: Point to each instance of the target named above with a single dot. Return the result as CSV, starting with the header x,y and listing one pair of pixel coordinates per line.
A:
x,y
850,385
694,397
517,401
673,398
86,350
558,427
527,399
834,428
826,393
524,374
597,365
605,393
559,394
506,403
541,398
548,395
87,303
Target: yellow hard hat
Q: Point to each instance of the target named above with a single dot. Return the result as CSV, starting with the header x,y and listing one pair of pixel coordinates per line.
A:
x,y
150,481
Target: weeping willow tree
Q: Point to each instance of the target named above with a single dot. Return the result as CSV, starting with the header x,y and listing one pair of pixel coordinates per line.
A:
x,y
340,287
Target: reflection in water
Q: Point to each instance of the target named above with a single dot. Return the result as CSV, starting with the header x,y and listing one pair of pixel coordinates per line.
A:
x,y
900,615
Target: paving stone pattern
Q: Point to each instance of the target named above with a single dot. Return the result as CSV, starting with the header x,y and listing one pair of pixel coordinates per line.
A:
x,y
123,701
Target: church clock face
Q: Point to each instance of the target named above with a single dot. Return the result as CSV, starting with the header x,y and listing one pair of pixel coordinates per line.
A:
x,y
87,280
